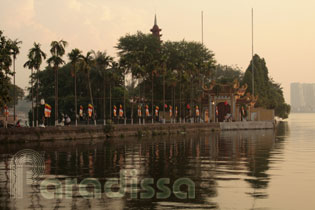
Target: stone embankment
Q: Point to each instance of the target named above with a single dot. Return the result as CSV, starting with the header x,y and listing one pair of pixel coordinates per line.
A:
x,y
13,135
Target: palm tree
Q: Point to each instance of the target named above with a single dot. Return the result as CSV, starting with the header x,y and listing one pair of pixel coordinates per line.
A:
x,y
75,57
37,56
103,61
30,65
114,76
57,51
86,64
15,50
164,59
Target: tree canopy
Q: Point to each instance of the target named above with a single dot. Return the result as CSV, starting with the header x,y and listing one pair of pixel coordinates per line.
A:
x,y
270,93
5,63
170,72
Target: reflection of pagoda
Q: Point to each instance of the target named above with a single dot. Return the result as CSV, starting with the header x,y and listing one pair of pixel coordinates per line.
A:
x,y
156,30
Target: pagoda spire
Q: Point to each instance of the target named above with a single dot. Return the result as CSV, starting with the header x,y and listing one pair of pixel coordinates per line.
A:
x,y
155,22
156,30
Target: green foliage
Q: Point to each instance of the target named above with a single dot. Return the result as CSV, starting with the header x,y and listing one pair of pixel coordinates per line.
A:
x,y
8,49
66,88
183,65
19,94
4,89
226,74
5,63
36,56
139,53
270,94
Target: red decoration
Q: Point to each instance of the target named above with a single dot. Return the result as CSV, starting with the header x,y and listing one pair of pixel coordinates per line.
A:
x,y
225,103
188,107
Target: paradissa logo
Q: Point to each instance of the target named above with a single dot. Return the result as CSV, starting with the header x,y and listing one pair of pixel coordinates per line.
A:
x,y
118,187
27,168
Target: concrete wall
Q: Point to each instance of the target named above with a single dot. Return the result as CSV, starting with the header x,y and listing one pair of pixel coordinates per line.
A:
x,y
263,114
248,125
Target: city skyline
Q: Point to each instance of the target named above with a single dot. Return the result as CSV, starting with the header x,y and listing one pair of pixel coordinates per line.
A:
x,y
281,31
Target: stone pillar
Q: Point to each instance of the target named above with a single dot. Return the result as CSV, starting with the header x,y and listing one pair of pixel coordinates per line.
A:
x,y
209,111
249,113
234,109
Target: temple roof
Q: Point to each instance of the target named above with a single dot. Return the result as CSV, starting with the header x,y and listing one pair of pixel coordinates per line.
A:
x,y
229,89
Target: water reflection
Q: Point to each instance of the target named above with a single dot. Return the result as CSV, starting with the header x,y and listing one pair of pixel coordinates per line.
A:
x,y
222,165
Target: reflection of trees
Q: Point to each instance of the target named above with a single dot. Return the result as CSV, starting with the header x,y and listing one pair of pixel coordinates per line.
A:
x,y
4,183
204,158
258,154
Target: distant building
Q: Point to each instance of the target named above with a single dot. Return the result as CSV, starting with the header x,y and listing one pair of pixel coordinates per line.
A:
x,y
302,97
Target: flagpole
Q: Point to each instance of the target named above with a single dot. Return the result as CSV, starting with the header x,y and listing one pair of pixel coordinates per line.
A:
x,y
253,80
202,27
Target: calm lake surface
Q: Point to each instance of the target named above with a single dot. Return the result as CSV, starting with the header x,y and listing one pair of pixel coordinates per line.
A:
x,y
263,169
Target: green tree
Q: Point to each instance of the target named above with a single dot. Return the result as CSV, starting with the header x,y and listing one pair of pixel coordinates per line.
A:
x,y
139,54
15,50
102,61
75,56
16,92
66,86
115,76
163,65
5,63
270,94
193,63
30,65
37,56
86,65
57,51
226,74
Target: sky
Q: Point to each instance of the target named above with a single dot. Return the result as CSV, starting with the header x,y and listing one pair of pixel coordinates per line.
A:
x,y
283,29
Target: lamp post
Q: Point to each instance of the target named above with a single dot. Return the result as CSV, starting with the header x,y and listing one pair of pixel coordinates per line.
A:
x,y
132,102
209,112
42,102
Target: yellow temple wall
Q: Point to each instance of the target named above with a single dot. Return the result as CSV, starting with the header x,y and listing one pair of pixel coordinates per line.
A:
x,y
262,114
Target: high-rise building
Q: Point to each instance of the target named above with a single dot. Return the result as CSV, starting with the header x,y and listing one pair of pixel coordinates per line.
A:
x,y
302,97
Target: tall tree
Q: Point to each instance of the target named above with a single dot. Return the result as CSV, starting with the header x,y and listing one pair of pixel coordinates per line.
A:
x,y
115,75
15,50
5,63
190,61
75,57
30,65
103,61
86,65
270,94
57,51
19,94
37,56
140,54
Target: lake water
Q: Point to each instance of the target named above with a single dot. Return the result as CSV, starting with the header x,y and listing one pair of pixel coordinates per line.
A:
x,y
262,169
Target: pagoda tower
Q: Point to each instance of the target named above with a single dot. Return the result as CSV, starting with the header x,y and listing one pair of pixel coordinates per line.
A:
x,y
156,30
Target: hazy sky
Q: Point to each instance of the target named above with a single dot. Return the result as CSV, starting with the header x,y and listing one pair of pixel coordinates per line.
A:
x,y
284,30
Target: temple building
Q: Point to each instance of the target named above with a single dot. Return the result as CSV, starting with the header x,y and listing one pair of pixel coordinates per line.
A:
x,y
228,102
